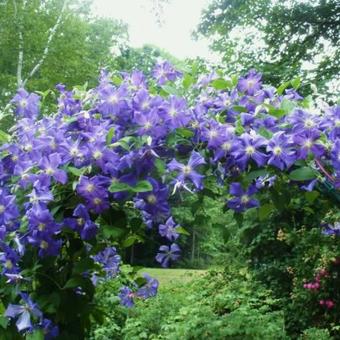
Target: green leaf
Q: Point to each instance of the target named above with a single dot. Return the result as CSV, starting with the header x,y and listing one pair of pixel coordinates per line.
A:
x,y
240,108
307,102
74,282
185,132
239,129
142,186
181,230
171,90
282,87
221,84
114,232
296,83
75,171
118,186
256,173
287,106
36,335
128,242
302,174
265,133
117,80
187,81
3,321
110,135
275,112
311,196
160,166
4,137
265,210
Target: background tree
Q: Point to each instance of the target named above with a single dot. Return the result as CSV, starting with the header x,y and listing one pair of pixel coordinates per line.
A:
x,y
281,39
43,43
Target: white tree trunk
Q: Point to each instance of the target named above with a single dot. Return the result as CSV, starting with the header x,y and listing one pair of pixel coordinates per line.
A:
x,y
50,37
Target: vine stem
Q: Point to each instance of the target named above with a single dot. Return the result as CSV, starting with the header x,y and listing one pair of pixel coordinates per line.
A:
x,y
330,177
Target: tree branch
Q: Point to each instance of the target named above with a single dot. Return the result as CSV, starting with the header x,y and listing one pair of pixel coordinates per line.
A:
x,y
21,46
52,33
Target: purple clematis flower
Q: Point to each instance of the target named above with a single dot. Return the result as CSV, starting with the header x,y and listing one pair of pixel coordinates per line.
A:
x,y
248,149
332,229
149,289
50,166
167,254
8,208
9,259
309,143
251,83
27,104
41,220
23,313
188,171
110,261
82,223
155,202
169,229
177,114
126,297
280,150
243,200
164,72
50,330
335,155
46,243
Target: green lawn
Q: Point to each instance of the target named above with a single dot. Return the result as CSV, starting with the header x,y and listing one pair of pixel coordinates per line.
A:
x,y
169,276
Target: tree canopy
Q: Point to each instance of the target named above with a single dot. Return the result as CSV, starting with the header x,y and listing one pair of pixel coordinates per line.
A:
x,y
281,39
36,35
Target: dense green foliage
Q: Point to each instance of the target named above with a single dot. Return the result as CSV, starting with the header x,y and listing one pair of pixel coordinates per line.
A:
x,y
277,37
80,45
222,305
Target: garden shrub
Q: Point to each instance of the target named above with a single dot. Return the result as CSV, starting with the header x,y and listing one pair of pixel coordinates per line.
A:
x,y
81,185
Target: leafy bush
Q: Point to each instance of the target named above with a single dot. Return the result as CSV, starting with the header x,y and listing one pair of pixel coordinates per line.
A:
x,y
106,168
221,305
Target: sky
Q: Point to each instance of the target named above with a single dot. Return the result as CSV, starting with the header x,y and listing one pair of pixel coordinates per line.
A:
x,y
180,18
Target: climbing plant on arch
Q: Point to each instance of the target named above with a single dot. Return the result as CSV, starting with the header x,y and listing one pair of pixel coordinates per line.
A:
x,y
93,176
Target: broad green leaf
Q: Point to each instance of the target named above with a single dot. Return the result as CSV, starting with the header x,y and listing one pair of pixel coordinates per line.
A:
x,y
118,186
111,231
117,80
185,132
171,90
74,282
240,108
187,81
181,230
282,87
287,106
75,171
4,137
142,186
296,83
302,174
36,335
128,242
256,173
265,133
160,166
265,210
239,129
221,84
311,196
110,135
3,321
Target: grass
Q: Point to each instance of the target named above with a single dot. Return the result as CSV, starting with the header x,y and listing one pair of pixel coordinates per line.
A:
x,y
173,276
